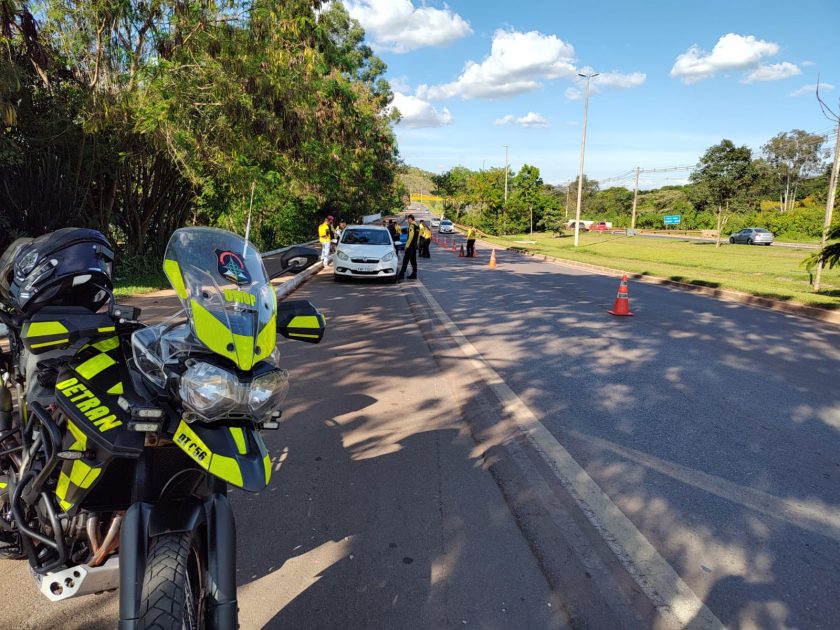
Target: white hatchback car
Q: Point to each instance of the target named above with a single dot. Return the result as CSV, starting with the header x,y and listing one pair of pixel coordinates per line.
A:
x,y
436,221
365,251
446,227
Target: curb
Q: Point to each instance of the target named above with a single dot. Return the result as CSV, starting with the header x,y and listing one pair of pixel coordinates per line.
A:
x,y
289,287
810,312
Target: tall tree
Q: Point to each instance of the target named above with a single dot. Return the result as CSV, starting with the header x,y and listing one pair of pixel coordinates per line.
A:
x,y
724,171
527,199
791,156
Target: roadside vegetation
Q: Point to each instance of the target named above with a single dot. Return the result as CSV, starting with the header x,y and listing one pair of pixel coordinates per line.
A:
x,y
774,272
136,118
784,189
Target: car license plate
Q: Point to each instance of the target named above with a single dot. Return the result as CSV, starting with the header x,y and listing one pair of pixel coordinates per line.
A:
x,y
364,269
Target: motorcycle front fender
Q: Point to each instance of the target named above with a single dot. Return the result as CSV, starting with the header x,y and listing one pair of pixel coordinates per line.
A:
x,y
236,455
144,521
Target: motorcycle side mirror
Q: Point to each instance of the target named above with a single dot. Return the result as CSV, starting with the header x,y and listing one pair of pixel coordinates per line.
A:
x,y
292,259
299,320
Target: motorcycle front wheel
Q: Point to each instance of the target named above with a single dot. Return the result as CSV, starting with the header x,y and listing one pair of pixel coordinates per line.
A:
x,y
174,593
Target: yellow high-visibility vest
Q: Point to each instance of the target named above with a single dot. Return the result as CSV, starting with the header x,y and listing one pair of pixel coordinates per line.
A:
x,y
324,232
471,234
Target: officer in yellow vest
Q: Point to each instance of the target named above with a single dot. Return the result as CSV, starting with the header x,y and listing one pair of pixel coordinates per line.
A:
x,y
471,242
410,253
325,237
425,239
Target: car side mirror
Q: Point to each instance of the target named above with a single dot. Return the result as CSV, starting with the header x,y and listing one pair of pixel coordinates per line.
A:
x,y
299,320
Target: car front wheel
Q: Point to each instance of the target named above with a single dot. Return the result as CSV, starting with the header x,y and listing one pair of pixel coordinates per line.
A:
x,y
731,240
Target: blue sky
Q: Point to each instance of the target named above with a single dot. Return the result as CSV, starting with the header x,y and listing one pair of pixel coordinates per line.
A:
x,y
676,78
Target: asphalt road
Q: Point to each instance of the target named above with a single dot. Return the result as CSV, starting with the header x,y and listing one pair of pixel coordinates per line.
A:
x,y
712,426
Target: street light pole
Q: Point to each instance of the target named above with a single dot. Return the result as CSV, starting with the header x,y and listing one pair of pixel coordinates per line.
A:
x,y
582,149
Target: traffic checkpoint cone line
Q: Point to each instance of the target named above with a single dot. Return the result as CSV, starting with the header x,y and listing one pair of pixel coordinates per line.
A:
x,y
492,264
621,307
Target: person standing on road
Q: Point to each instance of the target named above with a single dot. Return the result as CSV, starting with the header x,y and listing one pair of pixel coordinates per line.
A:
x,y
425,239
338,232
471,242
410,254
325,238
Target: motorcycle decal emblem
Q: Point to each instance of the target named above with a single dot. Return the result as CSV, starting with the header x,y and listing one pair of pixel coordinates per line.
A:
x,y
231,267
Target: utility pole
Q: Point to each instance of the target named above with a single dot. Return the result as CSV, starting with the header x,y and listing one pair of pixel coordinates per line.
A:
x,y
582,149
635,198
531,210
829,204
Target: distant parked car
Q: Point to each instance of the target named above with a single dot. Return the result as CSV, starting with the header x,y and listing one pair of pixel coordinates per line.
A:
x,y
446,227
436,221
582,227
752,236
599,227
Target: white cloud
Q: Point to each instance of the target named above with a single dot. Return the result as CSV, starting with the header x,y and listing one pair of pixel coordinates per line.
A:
x,y
811,89
603,80
399,26
732,52
399,84
772,72
807,63
531,119
417,113
516,64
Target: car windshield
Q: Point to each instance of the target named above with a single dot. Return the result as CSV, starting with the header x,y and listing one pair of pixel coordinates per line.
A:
x,y
446,222
366,237
762,230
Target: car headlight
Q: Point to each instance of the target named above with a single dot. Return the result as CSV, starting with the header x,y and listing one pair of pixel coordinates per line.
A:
x,y
342,256
208,390
388,257
268,392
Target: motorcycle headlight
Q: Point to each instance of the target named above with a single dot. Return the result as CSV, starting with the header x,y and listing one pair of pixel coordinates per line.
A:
x,y
388,257
208,390
268,392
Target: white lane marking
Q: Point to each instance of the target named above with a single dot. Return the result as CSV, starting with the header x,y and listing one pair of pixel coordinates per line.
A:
x,y
815,516
663,586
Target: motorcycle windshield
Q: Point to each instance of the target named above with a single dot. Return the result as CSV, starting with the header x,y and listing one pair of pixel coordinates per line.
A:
x,y
222,284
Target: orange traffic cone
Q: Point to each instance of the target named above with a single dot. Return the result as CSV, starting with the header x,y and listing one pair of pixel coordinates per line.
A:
x,y
492,264
461,255
622,300
454,246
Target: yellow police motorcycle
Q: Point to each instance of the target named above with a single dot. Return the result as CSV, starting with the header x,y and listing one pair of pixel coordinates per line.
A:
x,y
118,440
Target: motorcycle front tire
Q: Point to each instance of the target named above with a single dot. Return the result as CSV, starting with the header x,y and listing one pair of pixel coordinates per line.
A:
x,y
174,589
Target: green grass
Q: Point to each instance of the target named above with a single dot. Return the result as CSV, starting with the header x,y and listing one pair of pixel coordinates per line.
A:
x,y
775,272
135,275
